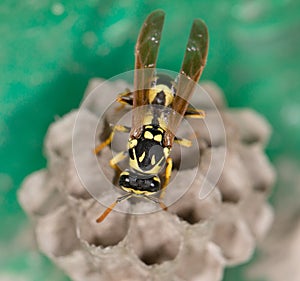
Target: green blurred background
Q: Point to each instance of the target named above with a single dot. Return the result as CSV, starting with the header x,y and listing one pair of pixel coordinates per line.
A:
x,y
50,49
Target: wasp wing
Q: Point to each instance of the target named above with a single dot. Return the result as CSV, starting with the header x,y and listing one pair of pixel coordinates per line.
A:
x,y
146,51
193,64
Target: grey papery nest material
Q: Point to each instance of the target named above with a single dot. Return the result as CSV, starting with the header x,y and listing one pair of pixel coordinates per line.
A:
x,y
194,240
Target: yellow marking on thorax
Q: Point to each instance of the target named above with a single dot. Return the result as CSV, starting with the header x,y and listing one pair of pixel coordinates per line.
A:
x,y
134,163
158,138
153,159
141,158
132,143
155,169
148,135
167,152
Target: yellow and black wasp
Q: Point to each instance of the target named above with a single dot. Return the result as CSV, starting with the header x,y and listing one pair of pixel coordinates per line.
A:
x,y
159,104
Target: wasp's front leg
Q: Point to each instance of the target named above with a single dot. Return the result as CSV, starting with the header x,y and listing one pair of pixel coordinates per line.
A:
x,y
168,173
119,128
117,159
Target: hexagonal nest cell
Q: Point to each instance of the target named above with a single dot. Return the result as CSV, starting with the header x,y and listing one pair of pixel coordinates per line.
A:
x,y
217,196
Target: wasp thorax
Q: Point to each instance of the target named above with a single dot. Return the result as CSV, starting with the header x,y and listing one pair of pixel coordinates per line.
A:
x,y
147,154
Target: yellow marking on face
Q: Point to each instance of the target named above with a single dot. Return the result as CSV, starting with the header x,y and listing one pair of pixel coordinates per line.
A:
x,y
137,192
166,152
148,135
156,179
158,138
141,158
153,160
132,143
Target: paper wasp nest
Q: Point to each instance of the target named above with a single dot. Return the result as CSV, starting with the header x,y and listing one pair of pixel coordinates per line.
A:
x,y
194,240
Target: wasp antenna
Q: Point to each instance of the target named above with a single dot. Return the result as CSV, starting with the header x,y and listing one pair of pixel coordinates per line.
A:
x,y
157,201
106,212
111,207
163,206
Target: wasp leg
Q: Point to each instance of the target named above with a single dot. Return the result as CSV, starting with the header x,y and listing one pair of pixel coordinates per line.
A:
x,y
118,128
117,159
168,173
183,142
193,112
125,98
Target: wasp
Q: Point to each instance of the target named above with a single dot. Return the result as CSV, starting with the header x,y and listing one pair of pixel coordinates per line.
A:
x,y
159,103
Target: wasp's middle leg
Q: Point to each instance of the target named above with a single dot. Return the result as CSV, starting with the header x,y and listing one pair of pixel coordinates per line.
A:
x,y
168,173
119,128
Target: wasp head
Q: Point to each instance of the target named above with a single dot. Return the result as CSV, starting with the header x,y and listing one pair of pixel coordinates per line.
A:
x,y
137,183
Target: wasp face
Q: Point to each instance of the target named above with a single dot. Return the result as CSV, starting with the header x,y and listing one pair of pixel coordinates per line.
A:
x,y
131,181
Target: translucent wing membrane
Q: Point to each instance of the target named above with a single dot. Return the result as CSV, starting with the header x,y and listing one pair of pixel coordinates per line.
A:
x,y
193,64
146,51
196,51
